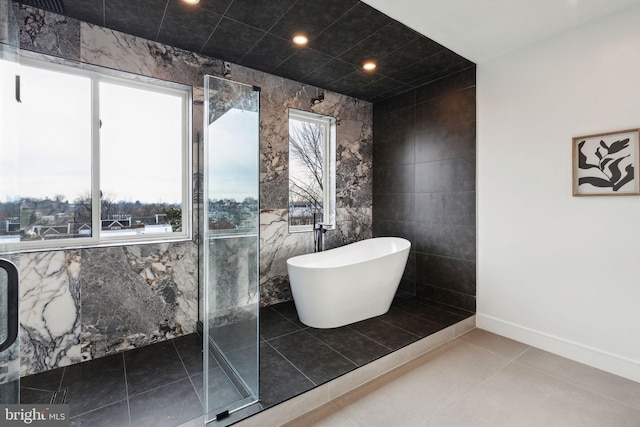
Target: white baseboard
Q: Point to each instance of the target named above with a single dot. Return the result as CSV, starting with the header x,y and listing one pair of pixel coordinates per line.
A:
x,y
591,356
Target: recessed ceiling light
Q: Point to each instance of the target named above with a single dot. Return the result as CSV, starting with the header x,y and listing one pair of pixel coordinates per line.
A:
x,y
369,66
300,39
191,1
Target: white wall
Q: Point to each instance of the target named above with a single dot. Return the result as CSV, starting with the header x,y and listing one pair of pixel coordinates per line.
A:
x,y
556,271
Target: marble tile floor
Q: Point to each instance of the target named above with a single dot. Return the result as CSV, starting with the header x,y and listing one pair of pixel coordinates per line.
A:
x,y
481,379
161,384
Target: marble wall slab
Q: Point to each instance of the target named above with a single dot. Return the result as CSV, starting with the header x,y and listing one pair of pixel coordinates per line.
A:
x,y
48,33
232,270
50,324
77,305
115,298
136,295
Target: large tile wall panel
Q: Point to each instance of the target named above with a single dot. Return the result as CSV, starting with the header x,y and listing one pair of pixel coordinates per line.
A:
x,y
429,134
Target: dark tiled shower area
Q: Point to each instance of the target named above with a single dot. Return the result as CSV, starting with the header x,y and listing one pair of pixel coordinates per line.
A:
x,y
161,384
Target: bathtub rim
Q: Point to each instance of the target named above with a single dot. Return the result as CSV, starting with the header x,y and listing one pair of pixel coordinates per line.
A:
x,y
298,260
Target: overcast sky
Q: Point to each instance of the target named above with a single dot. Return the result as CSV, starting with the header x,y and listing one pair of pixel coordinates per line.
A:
x,y
139,157
233,156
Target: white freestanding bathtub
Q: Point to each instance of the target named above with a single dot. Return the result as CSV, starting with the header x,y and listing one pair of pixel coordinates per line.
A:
x,y
347,284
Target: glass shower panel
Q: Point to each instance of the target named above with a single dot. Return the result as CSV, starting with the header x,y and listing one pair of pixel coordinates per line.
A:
x,y
231,239
9,344
9,205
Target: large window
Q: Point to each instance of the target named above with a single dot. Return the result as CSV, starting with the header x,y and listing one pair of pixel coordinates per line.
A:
x,y
102,160
311,170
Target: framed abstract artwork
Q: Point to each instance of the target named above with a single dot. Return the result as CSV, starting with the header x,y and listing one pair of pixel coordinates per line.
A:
x,y
607,164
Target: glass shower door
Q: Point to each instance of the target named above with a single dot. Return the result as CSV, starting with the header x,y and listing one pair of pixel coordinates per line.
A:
x,y
231,224
9,343
9,209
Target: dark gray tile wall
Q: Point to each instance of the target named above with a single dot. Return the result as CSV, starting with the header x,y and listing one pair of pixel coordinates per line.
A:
x,y
424,185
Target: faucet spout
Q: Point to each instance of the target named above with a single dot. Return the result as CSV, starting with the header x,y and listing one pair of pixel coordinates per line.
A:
x,y
319,231
318,235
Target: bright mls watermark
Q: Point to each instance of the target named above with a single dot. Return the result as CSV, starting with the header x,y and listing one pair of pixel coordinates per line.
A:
x,y
34,415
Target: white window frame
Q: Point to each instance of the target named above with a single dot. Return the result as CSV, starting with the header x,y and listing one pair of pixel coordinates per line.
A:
x,y
98,74
329,168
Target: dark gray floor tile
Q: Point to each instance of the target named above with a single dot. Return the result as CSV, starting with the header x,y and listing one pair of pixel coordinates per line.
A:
x,y
10,391
351,344
431,312
288,310
279,379
222,392
238,334
410,323
169,405
315,359
35,397
48,380
116,414
198,382
94,384
190,350
384,333
152,366
245,362
273,324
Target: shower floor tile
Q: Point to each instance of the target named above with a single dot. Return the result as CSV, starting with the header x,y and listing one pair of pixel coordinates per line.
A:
x,y
153,366
145,386
161,384
319,362
273,325
94,384
116,414
279,378
166,406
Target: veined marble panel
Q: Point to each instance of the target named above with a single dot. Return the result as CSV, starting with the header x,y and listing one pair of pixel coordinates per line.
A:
x,y
232,273
354,148
47,32
124,52
81,304
137,295
276,246
49,310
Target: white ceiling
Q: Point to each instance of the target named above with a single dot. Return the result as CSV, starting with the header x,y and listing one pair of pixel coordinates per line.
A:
x,y
481,30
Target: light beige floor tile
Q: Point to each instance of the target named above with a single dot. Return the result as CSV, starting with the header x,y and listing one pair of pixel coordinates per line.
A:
x,y
503,346
326,416
521,396
413,394
447,421
601,382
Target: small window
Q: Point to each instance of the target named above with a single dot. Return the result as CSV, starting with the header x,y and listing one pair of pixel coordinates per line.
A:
x,y
312,142
103,159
